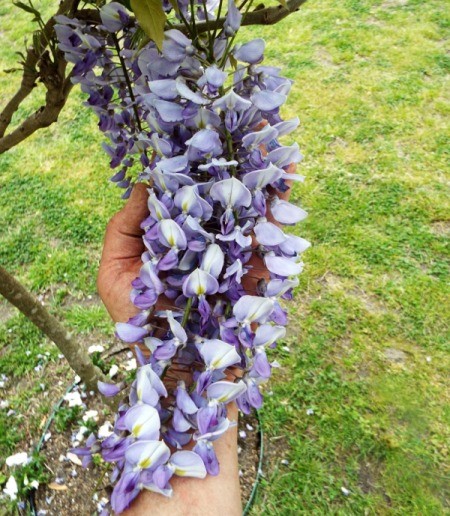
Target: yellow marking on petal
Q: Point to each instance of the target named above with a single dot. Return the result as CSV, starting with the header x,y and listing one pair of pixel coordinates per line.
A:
x,y
146,463
180,472
137,430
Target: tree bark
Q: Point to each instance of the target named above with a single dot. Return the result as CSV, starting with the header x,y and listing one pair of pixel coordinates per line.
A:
x,y
76,356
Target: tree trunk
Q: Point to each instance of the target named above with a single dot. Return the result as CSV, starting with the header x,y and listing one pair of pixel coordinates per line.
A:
x,y
77,357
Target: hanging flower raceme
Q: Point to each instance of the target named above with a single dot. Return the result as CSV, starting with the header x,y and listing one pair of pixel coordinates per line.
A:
x,y
204,137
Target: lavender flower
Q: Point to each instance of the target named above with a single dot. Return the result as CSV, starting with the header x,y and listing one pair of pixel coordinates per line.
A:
x,y
205,141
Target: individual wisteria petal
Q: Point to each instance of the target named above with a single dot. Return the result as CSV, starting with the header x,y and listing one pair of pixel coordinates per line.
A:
x,y
231,193
231,101
218,354
109,389
176,46
214,76
252,309
185,92
130,333
114,16
251,52
286,212
147,454
282,266
224,391
213,260
200,283
233,19
169,111
262,137
268,234
166,89
204,144
171,235
142,421
287,126
258,179
268,100
184,401
266,334
188,464
206,451
285,156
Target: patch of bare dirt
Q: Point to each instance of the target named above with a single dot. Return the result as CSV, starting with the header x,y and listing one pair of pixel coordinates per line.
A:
x,y
6,311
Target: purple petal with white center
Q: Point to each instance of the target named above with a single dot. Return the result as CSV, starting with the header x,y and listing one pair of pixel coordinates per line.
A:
x,y
252,309
142,421
231,193
282,266
199,283
268,234
286,212
213,260
171,235
251,52
130,333
268,100
147,454
224,391
157,209
218,354
188,464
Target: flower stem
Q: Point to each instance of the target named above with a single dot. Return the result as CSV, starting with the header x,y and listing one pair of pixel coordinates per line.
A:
x,y
187,311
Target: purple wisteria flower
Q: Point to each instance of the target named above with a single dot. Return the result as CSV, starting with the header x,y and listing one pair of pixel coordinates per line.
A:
x,y
204,137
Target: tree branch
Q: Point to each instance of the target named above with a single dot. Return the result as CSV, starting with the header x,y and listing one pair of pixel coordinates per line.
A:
x,y
36,66
76,356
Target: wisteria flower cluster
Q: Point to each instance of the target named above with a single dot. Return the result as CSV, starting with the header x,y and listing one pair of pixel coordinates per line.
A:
x,y
197,121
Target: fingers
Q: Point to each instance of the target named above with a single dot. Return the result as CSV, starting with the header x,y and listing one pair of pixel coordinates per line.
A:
x,y
123,237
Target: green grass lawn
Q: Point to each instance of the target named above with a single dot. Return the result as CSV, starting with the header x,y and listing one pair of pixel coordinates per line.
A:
x,y
368,341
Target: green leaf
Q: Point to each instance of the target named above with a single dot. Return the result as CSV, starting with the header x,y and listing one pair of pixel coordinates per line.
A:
x,y
27,8
151,17
283,3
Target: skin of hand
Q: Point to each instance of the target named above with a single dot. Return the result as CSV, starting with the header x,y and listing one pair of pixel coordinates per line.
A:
x,y
119,266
